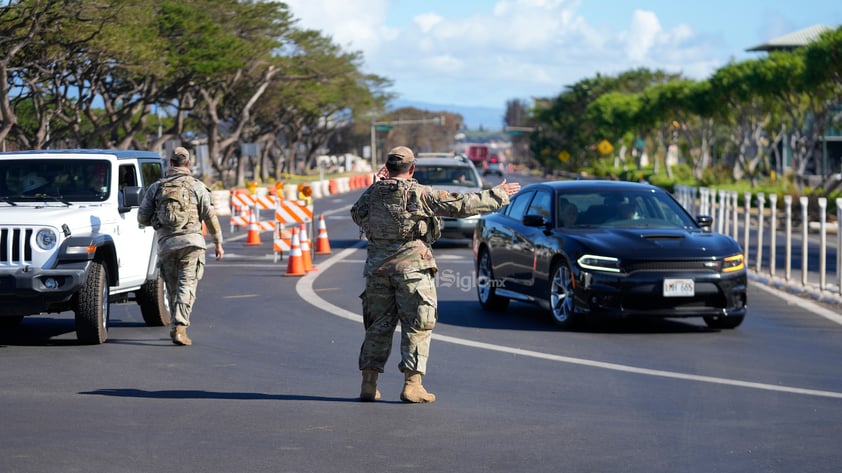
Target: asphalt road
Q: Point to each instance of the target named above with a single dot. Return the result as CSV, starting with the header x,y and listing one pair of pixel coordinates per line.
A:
x,y
271,384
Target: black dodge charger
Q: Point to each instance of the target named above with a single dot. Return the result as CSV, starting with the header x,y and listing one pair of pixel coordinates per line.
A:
x,y
607,248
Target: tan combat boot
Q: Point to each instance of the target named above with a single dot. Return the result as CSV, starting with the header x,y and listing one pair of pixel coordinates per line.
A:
x,y
179,336
413,391
368,390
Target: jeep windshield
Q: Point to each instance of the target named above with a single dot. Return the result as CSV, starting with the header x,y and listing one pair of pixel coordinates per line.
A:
x,y
56,180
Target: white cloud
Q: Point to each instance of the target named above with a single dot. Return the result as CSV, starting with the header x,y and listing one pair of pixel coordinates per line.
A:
x,y
427,21
357,25
643,33
511,49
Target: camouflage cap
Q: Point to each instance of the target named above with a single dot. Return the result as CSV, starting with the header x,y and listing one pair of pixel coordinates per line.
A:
x,y
401,154
180,156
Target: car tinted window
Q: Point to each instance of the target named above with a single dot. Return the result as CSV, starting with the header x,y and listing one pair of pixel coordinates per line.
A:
x,y
621,209
541,205
518,205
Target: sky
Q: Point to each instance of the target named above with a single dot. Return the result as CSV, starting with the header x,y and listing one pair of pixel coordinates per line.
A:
x,y
476,53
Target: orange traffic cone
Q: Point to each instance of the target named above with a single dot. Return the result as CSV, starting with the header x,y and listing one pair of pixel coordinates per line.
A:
x,y
295,267
305,249
322,243
253,237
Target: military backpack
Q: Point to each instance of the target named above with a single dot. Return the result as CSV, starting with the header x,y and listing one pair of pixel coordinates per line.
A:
x,y
174,204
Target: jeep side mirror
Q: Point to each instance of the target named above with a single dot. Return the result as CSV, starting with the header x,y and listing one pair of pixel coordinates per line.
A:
x,y
131,196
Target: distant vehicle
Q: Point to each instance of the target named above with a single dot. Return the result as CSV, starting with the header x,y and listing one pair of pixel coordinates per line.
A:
x,y
478,154
452,173
585,249
494,165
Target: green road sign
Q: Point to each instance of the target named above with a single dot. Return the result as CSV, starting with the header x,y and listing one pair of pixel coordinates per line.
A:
x,y
383,127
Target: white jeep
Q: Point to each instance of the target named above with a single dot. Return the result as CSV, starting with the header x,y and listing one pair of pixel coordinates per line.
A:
x,y
70,240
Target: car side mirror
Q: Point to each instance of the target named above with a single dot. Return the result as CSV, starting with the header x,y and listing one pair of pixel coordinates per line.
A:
x,y
533,220
704,221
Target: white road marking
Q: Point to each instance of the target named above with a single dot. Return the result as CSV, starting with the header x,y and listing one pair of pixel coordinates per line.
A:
x,y
304,287
803,303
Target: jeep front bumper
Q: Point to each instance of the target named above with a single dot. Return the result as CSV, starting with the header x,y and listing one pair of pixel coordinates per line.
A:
x,y
28,290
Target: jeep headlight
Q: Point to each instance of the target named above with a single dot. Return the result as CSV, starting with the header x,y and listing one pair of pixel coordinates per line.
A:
x,y
46,239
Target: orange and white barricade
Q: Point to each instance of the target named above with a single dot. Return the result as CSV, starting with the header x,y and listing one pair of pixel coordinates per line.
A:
x,y
263,202
282,242
293,213
241,209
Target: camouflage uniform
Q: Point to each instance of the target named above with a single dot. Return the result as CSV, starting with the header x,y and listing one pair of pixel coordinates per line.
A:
x,y
181,253
400,218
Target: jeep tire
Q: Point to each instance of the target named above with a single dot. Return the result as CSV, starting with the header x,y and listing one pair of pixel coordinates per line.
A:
x,y
154,306
92,306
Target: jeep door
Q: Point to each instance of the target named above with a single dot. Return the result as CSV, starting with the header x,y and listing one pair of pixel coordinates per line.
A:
x,y
134,244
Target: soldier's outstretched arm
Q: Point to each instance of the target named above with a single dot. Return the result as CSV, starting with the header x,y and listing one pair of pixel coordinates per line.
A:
x,y
453,204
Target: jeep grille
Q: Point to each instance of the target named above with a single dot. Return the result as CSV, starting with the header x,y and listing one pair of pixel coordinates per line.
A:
x,y
15,248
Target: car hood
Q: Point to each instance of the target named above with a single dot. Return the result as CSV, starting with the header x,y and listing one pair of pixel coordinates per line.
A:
x,y
654,243
78,218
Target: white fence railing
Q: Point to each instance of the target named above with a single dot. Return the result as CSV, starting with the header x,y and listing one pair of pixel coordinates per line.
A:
x,y
761,229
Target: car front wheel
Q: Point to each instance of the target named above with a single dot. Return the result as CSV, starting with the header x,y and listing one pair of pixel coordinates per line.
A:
x,y
92,306
562,304
487,285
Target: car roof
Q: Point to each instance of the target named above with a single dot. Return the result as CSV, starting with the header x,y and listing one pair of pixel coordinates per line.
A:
x,y
595,185
441,161
56,153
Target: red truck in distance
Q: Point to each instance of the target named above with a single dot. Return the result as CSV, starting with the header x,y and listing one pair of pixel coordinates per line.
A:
x,y
478,154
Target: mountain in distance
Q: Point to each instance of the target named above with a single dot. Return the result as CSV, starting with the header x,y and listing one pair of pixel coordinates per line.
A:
x,y
489,118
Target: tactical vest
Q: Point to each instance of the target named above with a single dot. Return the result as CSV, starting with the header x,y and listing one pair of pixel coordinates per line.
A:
x,y
395,213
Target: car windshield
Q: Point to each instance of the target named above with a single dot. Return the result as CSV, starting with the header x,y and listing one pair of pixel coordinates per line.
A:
x,y
445,176
629,209
55,180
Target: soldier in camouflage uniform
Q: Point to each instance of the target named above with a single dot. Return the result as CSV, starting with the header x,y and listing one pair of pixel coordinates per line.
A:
x,y
181,252
400,218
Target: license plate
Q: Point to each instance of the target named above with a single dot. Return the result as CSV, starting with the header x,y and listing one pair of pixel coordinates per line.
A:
x,y
679,288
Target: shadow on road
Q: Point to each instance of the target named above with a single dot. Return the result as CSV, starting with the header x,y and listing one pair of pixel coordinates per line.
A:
x,y
40,331
195,394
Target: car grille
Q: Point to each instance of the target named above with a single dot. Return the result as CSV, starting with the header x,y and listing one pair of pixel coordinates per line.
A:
x,y
649,303
695,266
15,247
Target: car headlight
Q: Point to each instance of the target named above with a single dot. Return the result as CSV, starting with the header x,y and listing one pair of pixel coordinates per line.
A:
x,y
733,263
600,263
46,239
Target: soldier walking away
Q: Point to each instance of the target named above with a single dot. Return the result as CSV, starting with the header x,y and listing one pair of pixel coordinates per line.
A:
x,y
176,206
401,220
